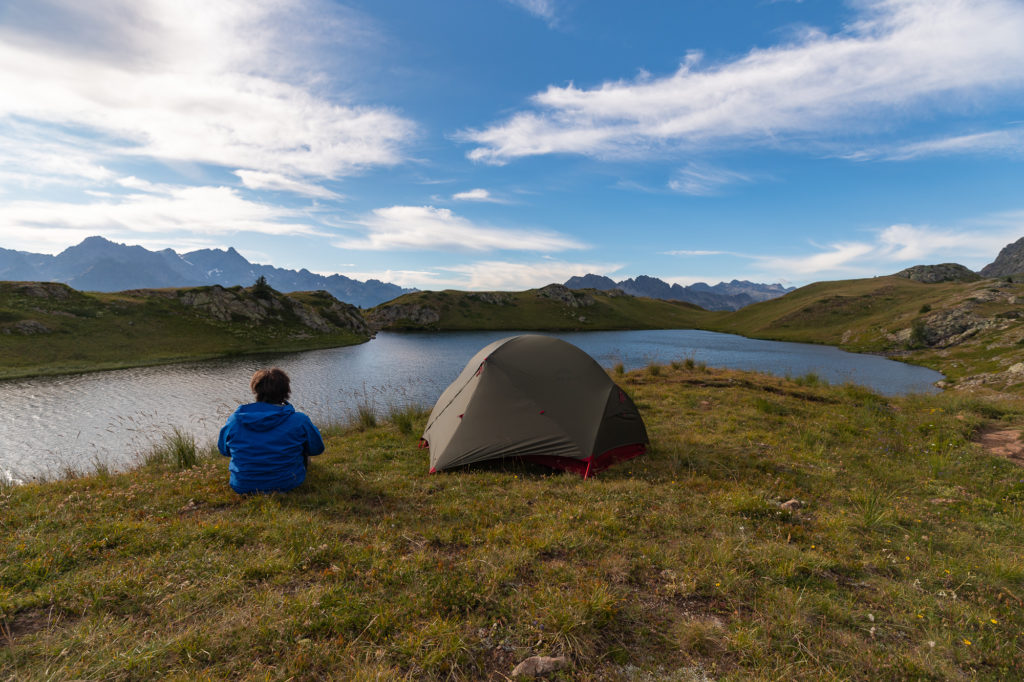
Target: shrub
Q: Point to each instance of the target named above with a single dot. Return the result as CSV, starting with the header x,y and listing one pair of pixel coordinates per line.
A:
x,y
654,369
925,309
918,334
620,369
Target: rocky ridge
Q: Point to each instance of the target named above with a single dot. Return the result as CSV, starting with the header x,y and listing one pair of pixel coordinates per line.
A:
x,y
1010,261
934,274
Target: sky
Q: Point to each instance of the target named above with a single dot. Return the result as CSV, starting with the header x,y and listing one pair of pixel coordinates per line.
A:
x,y
507,144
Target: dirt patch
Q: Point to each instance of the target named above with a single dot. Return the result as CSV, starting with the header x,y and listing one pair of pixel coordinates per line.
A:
x,y
27,623
1002,442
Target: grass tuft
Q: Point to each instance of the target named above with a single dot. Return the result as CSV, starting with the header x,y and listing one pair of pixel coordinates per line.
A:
x,y
407,417
654,369
177,450
365,416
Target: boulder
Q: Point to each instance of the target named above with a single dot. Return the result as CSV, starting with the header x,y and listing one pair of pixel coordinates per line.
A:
x,y
536,666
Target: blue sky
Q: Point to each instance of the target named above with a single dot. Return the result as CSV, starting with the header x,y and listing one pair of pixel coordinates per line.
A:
x,y
505,144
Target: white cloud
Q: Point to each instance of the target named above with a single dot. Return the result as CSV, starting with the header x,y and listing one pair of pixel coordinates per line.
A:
x,y
1008,142
149,209
686,252
187,80
510,276
427,227
544,9
258,180
837,259
487,275
894,248
477,195
703,180
899,55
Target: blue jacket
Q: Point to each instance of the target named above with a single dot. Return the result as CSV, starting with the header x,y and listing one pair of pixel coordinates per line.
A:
x,y
266,444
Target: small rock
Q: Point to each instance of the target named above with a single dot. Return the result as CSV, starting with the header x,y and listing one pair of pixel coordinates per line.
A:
x,y
792,505
536,666
189,506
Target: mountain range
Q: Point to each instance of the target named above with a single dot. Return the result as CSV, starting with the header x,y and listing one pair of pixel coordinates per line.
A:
x,y
98,264
722,296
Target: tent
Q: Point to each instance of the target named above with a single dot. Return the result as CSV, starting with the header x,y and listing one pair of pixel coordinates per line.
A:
x,y
536,397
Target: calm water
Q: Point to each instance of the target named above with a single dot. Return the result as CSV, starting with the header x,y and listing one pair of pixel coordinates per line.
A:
x,y
49,425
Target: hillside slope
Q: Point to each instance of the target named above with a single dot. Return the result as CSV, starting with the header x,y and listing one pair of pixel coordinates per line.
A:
x,y
50,328
970,331
550,308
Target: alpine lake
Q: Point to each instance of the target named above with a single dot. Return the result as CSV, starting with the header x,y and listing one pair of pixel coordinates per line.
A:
x,y
76,423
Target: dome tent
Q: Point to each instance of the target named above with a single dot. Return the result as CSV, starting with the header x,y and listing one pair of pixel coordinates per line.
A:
x,y
536,397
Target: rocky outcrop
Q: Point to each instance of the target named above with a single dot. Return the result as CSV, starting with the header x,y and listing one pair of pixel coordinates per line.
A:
x,y
403,315
325,315
231,305
1010,261
566,296
49,290
944,272
26,328
491,297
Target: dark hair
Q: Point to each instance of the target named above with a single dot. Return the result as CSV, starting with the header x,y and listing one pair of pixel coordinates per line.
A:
x,y
271,385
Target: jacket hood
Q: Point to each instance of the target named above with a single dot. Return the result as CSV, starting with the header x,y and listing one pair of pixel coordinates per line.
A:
x,y
263,416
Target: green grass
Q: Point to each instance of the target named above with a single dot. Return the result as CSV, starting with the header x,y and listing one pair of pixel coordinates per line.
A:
x,y
90,331
904,561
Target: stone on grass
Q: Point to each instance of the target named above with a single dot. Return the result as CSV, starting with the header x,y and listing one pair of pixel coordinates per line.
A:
x,y
792,505
536,666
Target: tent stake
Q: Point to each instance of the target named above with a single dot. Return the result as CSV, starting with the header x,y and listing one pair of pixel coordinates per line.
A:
x,y
587,473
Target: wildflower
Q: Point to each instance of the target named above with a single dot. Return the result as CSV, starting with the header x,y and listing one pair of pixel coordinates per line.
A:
x,y
920,616
993,621
967,642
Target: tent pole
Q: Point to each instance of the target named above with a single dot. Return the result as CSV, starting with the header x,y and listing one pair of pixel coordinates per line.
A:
x,y
587,473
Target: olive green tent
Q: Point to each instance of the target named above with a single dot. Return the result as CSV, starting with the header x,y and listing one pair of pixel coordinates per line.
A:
x,y
536,397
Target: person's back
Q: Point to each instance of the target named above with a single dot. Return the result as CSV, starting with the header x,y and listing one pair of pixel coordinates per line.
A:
x,y
268,441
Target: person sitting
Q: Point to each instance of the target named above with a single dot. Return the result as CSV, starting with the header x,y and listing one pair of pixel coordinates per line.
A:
x,y
269,443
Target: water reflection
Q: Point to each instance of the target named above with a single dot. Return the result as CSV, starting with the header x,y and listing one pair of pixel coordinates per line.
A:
x,y
52,424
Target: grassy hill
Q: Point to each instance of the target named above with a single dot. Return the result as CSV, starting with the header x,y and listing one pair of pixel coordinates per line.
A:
x,y
901,559
970,331
551,308
49,328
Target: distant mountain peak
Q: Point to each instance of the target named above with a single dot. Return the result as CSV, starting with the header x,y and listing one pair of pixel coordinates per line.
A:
x,y
722,296
98,264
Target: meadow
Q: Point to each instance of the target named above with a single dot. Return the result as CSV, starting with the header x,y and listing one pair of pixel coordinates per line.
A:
x,y
776,529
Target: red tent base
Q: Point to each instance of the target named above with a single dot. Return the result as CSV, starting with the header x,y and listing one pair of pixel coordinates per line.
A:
x,y
593,464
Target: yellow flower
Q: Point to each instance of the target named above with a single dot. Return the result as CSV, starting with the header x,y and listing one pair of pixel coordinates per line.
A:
x,y
967,642
993,621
